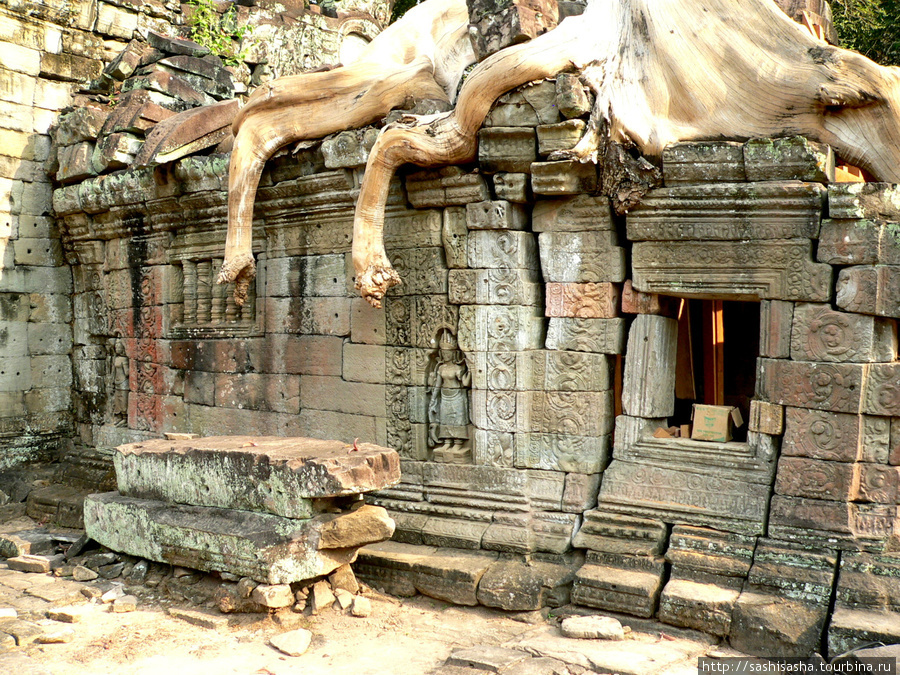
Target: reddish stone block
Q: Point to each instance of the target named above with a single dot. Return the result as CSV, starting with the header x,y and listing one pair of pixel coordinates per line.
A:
x,y
801,518
816,479
870,289
834,387
878,483
820,333
146,378
145,412
148,349
584,301
775,317
882,390
638,302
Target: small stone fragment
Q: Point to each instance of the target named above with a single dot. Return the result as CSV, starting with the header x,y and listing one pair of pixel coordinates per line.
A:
x,y
321,596
292,643
361,607
343,599
229,599
139,571
112,595
245,587
343,577
78,546
274,596
91,593
82,573
592,628
127,603
74,614
56,636
29,563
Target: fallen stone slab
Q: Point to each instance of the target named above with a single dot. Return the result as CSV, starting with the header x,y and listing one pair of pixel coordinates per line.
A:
x,y
266,474
30,563
592,628
270,549
292,643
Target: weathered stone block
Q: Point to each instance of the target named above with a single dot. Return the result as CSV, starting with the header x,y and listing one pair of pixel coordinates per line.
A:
x,y
649,378
567,177
794,158
868,289
619,584
516,586
496,215
494,410
559,412
700,606
116,151
75,163
605,336
445,187
579,257
842,524
766,418
704,162
706,555
728,211
367,324
510,149
878,484
267,548
609,532
303,354
864,201
560,136
820,333
527,106
820,386
540,370
513,187
454,236
495,287
334,393
635,302
507,22
849,242
881,394
364,363
775,321
313,315
500,328
586,301
766,625
502,250
760,269
319,275
573,214
349,149
817,479
572,96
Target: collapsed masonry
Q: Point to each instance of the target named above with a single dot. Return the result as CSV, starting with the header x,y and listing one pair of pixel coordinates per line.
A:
x,y
493,369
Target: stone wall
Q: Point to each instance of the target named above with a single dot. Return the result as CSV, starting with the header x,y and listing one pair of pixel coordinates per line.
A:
x,y
524,365
52,51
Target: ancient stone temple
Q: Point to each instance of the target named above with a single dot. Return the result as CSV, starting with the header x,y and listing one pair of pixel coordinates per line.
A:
x,y
537,369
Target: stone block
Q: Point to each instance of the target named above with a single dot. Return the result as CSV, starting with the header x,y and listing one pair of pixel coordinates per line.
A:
x,y
878,484
21,59
766,418
363,363
699,606
573,214
501,24
449,186
510,149
496,215
615,533
817,479
728,211
454,236
853,630
116,151
820,386
765,625
704,162
333,393
495,287
559,412
706,555
502,250
567,177
649,378
49,338
619,584
513,187
582,300
579,257
76,163
794,158
367,324
313,315
560,136
881,394
321,275
605,336
491,448
775,323
526,106
349,149
635,302
303,354
540,370
38,252
870,289
267,548
518,586
842,524
500,328
864,201
445,574
820,333
69,67
572,97
849,242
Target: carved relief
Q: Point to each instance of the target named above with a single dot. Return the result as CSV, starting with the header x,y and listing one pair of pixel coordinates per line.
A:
x,y
448,403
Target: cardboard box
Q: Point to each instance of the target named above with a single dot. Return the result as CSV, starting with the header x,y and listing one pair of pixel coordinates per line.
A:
x,y
714,422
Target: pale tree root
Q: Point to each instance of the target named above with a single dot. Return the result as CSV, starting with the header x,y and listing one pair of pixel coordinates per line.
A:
x,y
241,269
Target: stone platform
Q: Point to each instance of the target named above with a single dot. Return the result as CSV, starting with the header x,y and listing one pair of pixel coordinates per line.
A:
x,y
278,510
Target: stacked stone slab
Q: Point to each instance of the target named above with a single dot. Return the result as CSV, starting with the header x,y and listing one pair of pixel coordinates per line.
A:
x,y
278,510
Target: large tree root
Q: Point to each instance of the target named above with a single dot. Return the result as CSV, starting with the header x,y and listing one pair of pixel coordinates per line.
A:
x,y
421,57
662,71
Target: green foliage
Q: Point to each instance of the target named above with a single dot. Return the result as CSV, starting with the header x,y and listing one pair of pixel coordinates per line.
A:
x,y
219,33
871,27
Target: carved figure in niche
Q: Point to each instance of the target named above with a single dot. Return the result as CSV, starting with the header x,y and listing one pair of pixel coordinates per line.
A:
x,y
117,382
448,403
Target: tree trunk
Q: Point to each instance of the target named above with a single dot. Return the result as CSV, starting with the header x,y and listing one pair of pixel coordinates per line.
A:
x,y
662,71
